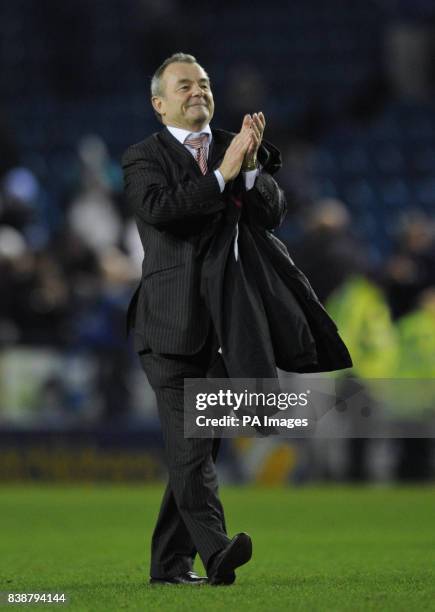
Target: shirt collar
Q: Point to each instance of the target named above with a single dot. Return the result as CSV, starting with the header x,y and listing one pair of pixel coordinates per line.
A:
x,y
181,134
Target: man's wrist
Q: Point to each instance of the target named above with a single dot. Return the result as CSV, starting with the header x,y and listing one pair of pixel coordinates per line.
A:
x,y
250,164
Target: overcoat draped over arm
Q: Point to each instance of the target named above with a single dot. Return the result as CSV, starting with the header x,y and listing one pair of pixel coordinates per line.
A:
x,y
264,310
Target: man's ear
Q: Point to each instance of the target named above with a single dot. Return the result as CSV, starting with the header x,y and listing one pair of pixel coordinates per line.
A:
x,y
157,103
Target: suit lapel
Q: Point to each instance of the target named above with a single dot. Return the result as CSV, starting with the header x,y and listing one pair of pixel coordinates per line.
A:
x,y
219,145
179,153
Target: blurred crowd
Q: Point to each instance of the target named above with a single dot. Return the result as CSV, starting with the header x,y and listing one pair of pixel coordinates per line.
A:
x,y
67,268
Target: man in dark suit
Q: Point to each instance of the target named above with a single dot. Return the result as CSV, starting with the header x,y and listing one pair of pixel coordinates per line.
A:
x,y
178,182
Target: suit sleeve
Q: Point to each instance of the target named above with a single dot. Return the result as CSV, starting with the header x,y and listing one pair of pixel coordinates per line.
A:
x,y
265,203
156,201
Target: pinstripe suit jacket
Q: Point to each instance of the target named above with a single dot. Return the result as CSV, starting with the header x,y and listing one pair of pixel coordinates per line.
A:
x,y
175,208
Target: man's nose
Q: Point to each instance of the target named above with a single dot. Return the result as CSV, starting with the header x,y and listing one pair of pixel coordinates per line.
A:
x,y
197,91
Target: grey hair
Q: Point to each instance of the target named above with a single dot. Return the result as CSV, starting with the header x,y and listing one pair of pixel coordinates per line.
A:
x,y
156,81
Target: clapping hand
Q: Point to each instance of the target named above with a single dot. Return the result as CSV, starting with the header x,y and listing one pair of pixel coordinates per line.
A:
x,y
242,151
254,124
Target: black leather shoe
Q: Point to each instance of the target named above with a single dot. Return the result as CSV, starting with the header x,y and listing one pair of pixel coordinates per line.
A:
x,y
187,578
237,553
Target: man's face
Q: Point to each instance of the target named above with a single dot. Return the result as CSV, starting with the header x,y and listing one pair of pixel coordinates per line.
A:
x,y
186,100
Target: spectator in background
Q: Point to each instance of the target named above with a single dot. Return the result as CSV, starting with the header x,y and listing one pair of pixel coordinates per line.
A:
x,y
328,251
92,214
34,289
101,273
35,306
411,268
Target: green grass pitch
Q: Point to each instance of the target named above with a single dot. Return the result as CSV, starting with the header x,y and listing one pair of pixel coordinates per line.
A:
x,y
315,548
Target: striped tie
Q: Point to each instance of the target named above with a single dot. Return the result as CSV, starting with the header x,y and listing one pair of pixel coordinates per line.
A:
x,y
199,144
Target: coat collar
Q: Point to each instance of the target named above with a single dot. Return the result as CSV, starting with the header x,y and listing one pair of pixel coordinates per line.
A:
x,y
181,134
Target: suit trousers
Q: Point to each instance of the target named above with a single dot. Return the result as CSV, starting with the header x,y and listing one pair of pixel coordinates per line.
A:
x,y
191,517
